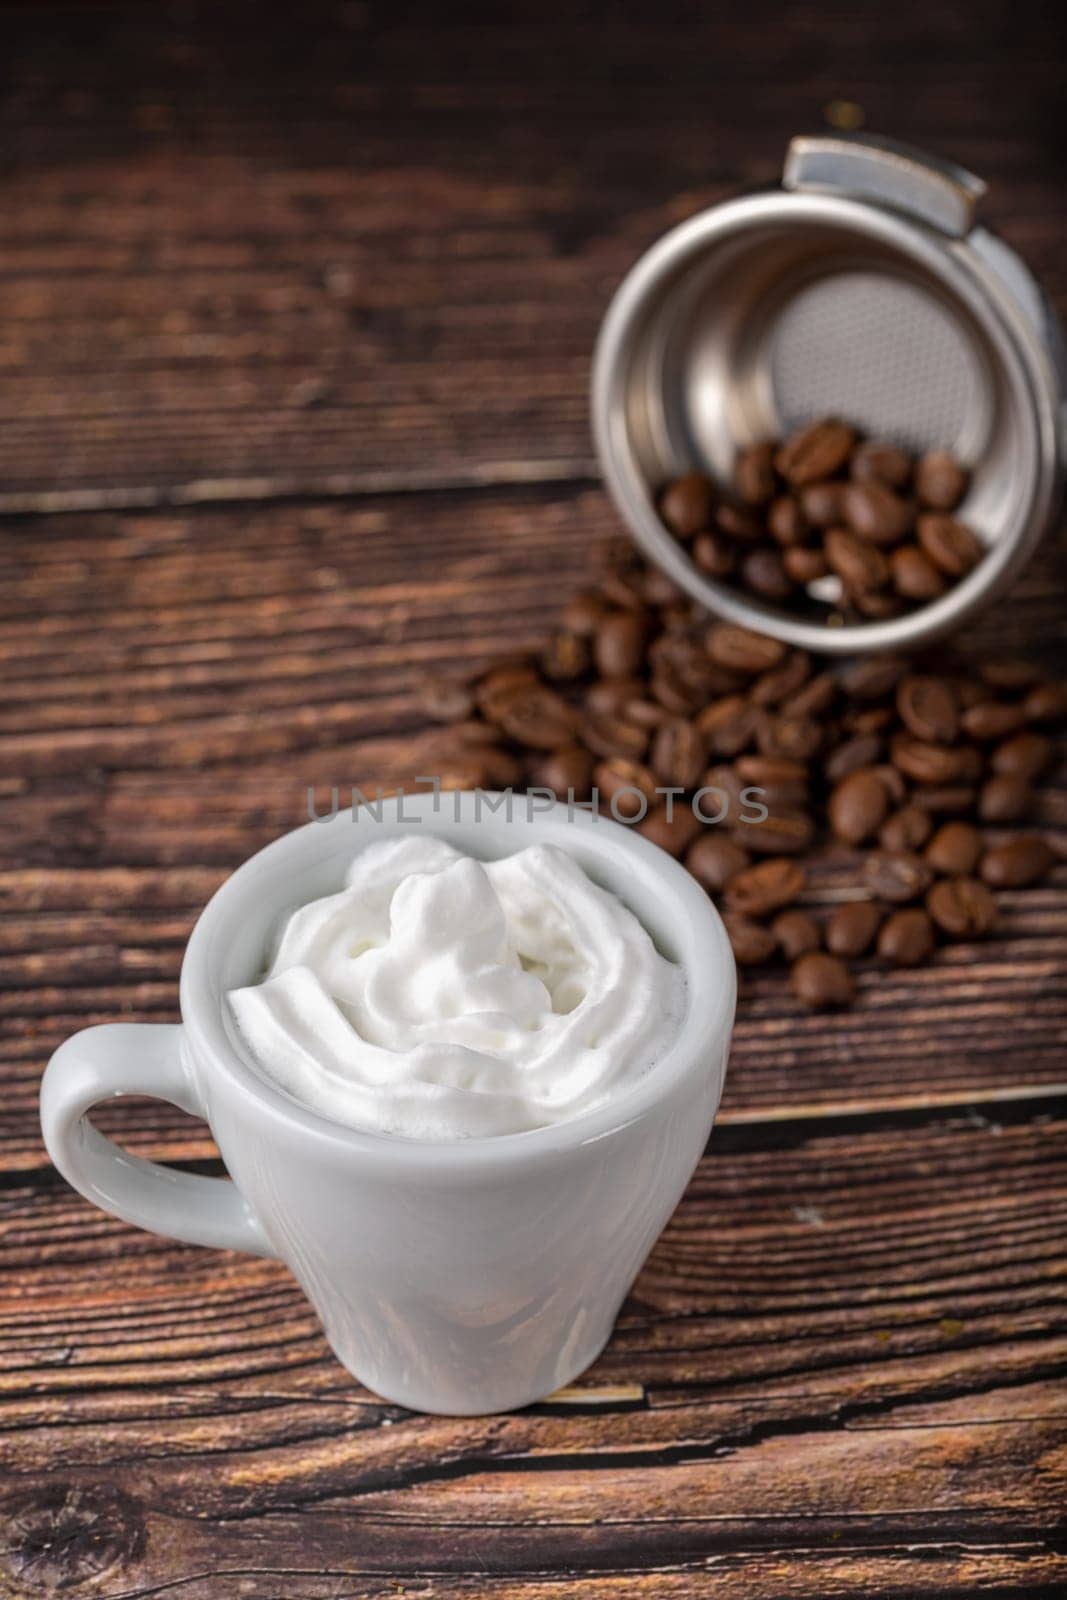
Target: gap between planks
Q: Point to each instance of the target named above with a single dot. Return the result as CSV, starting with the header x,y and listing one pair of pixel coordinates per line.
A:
x,y
576,473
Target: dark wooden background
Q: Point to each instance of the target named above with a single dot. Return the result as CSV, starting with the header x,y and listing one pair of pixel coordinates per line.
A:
x,y
296,311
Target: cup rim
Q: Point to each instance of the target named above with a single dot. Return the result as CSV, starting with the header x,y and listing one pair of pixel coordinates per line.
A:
x,y
618,850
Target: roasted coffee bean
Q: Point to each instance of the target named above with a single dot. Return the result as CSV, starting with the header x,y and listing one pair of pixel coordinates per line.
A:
x,y
678,753
822,504
658,590
796,933
805,566
477,767
1018,862
787,737
815,699
623,590
814,452
714,554
895,784
1005,797
584,614
643,713
766,887
566,658
874,462
740,523
752,943
741,650
927,708
858,806
992,719
906,939
934,763
501,684
471,731
1025,755
786,522
863,750
674,832
788,778
724,780
784,831
897,875
686,505
500,769
762,571
852,927
858,564
907,829
946,799
913,574
1046,702
627,787
673,692
680,615
618,644
728,725
953,549
875,604
875,513
535,716
1009,673
683,654
771,688
569,768
954,849
754,474
445,700
867,719
962,907
713,858
969,692
609,697
821,981
703,680
608,736
872,677
940,482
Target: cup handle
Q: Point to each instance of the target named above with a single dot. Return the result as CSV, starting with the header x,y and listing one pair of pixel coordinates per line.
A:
x,y
138,1058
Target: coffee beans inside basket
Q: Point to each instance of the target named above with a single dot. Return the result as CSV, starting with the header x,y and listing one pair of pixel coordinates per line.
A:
x,y
842,528
860,812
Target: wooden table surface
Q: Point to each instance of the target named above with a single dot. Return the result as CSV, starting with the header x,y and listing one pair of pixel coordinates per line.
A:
x,y
296,311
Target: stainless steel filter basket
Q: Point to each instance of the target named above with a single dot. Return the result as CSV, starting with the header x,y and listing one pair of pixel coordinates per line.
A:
x,y
862,288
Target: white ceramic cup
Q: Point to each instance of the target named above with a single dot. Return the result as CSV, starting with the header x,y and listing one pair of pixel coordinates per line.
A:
x,y
462,1276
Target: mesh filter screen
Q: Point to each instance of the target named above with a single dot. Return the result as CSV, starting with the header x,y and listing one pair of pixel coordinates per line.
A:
x,y
882,353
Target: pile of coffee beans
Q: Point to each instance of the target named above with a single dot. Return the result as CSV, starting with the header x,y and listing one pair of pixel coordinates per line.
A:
x,y
912,771
852,528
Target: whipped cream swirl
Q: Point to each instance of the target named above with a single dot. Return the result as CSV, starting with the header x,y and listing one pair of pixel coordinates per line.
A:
x,y
440,997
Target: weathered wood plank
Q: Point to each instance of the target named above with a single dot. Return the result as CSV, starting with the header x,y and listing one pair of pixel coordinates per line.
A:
x,y
843,1337
374,252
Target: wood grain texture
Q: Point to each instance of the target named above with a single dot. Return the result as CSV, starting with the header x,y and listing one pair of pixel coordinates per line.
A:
x,y
373,250
295,323
846,1335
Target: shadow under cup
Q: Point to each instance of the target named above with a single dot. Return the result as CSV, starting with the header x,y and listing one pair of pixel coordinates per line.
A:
x,y
461,1276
